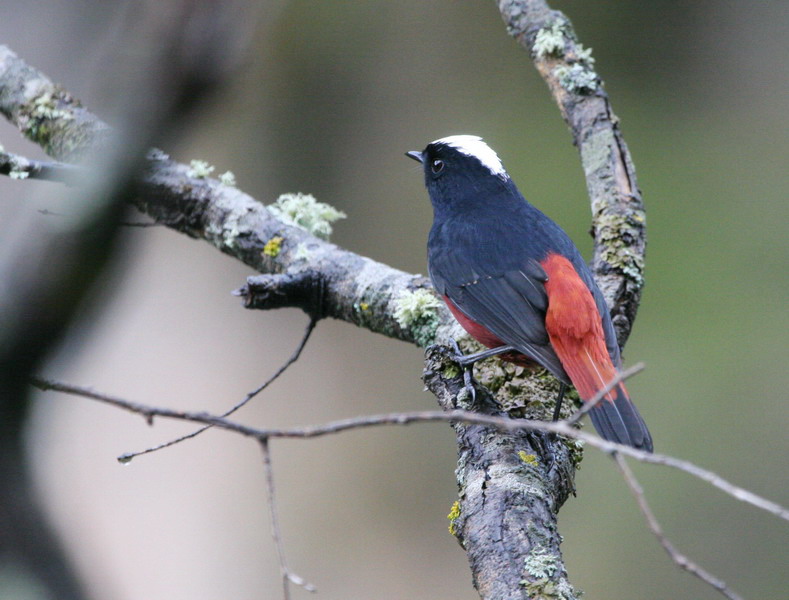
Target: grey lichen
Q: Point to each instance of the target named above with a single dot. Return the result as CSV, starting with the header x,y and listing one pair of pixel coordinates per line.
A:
x,y
228,178
584,55
549,41
544,565
302,252
225,233
525,393
615,233
200,169
304,211
541,563
46,116
596,153
19,167
579,78
546,589
417,312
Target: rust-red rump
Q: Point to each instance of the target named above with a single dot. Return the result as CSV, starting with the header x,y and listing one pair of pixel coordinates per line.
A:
x,y
575,329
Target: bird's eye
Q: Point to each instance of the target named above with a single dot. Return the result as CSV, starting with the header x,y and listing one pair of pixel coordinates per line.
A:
x,y
437,166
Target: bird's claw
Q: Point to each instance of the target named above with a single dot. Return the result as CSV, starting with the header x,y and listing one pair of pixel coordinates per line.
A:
x,y
460,359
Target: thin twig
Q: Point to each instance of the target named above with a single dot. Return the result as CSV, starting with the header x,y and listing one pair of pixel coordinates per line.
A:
x,y
595,400
140,224
288,576
51,213
679,559
20,167
406,418
125,458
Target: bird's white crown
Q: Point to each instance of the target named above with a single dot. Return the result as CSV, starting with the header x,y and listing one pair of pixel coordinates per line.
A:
x,y
472,145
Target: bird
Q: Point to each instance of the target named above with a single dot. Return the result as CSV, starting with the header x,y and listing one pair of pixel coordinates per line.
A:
x,y
517,283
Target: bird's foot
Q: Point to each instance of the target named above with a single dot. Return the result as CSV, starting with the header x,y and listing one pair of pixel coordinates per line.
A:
x,y
466,362
466,366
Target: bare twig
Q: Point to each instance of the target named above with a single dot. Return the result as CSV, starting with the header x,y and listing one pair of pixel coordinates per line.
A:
x,y
679,559
288,576
406,418
126,458
19,167
142,224
595,400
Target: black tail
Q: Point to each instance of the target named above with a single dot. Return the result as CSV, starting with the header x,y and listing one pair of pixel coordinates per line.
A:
x,y
619,421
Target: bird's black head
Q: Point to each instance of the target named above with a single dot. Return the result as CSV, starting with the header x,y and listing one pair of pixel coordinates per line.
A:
x,y
462,171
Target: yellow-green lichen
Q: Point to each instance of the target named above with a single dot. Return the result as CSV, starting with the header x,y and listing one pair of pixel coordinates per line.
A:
x,y
454,515
417,312
305,212
451,370
529,459
273,247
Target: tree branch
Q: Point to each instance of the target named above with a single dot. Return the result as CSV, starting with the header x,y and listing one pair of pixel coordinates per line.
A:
x,y
498,422
618,217
288,576
126,458
513,488
19,167
679,559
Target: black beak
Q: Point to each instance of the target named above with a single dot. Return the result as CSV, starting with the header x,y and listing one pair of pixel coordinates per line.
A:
x,y
416,155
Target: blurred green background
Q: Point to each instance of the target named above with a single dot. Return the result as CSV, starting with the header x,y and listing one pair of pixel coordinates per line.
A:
x,y
330,98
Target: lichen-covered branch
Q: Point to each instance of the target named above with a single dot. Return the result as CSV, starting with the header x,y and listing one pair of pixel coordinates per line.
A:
x,y
618,217
46,113
354,288
505,515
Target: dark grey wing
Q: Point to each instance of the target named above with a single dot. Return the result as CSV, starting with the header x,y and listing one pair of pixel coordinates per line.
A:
x,y
511,304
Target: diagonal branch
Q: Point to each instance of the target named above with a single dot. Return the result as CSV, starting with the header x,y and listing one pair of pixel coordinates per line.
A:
x,y
19,167
618,216
679,559
288,576
128,457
